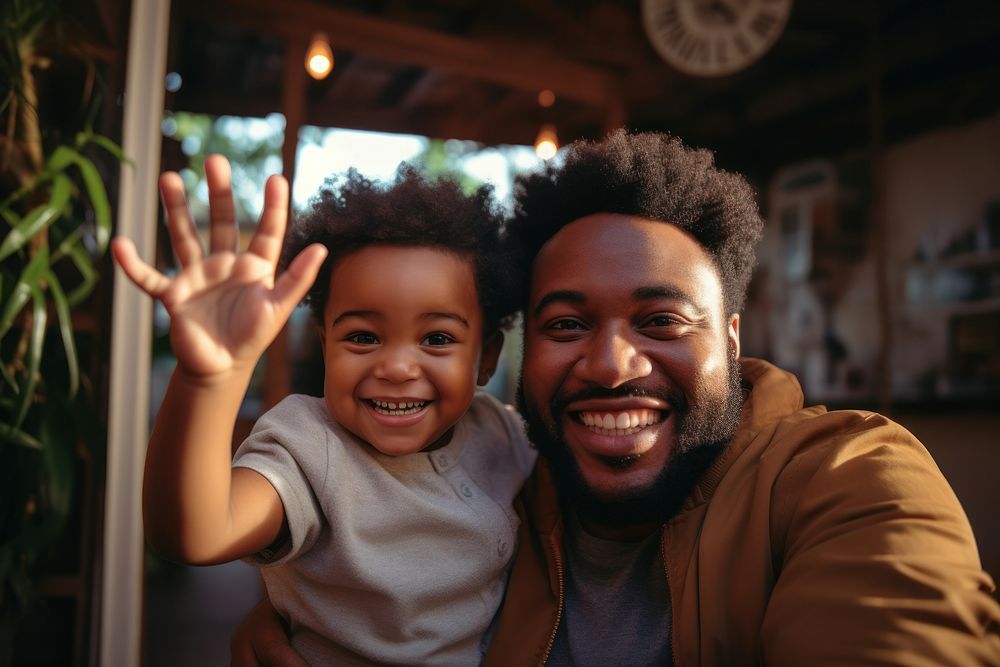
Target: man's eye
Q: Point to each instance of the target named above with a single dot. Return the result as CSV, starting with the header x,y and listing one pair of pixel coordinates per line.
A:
x,y
363,338
437,339
660,321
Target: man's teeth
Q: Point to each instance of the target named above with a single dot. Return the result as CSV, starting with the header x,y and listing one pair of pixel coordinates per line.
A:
x,y
401,408
625,422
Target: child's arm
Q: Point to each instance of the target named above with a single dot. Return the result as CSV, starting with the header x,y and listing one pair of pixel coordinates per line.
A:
x,y
225,309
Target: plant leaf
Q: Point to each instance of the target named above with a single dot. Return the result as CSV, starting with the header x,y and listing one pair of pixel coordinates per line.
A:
x,y
61,158
58,435
14,304
98,200
65,246
15,436
10,217
109,146
9,379
19,296
66,330
38,219
81,259
35,344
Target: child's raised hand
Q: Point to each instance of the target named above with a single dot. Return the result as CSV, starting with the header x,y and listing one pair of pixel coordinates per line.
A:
x,y
226,308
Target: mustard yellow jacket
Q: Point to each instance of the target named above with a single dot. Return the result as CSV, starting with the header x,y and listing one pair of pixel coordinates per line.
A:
x,y
817,538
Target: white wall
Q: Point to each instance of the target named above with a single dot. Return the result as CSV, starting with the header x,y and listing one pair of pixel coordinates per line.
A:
x,y
936,187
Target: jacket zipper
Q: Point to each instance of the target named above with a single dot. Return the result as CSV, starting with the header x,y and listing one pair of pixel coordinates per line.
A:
x,y
670,594
557,558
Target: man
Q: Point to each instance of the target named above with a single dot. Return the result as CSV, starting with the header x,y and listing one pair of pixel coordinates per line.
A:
x,y
687,508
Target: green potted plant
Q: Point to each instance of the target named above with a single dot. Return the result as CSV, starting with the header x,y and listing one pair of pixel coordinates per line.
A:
x,y
55,223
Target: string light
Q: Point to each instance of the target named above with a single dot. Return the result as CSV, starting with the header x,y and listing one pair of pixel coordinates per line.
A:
x,y
547,143
546,98
319,57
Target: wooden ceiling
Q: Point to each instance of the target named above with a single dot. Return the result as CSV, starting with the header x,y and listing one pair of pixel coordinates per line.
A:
x,y
472,70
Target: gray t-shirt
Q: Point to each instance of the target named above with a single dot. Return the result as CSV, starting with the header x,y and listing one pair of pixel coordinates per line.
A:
x,y
617,602
390,559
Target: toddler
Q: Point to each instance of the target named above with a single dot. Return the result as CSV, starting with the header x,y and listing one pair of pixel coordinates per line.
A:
x,y
381,513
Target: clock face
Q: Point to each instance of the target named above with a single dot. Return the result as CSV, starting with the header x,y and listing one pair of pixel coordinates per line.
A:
x,y
713,37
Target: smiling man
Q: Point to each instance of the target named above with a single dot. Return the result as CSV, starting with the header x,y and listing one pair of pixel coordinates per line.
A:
x,y
630,378
686,508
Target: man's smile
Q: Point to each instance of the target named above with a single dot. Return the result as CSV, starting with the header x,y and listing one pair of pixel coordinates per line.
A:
x,y
616,416
616,427
624,422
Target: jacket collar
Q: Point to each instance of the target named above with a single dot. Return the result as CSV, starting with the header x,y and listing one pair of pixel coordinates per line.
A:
x,y
771,395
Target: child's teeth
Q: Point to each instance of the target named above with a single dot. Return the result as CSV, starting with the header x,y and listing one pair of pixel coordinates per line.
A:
x,y
401,407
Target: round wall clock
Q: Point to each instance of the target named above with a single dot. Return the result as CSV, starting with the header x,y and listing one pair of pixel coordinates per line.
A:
x,y
713,37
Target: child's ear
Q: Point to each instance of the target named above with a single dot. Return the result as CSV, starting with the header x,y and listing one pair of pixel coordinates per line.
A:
x,y
321,332
489,357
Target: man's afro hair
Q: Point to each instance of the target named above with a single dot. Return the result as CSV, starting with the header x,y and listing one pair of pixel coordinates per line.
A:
x,y
653,176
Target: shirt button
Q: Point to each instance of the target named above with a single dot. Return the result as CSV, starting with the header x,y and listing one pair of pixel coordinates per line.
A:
x,y
466,491
502,547
443,459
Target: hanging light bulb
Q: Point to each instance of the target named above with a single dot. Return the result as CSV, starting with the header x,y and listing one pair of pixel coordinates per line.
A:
x,y
319,57
547,143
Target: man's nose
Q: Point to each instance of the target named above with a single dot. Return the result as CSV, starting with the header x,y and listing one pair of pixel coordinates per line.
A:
x,y
396,364
612,359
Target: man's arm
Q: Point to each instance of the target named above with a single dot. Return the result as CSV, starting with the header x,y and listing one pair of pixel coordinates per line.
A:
x,y
879,562
262,641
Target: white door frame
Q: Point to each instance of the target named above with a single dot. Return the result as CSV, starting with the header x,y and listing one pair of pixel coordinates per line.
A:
x,y
131,333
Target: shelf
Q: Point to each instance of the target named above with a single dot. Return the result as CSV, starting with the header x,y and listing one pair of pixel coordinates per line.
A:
x,y
968,260
990,305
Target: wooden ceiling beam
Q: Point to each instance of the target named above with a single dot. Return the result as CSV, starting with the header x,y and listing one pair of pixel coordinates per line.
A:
x,y
420,90
454,124
508,64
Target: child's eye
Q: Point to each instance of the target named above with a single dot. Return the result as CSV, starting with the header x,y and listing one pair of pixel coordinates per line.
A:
x,y
566,325
363,338
437,339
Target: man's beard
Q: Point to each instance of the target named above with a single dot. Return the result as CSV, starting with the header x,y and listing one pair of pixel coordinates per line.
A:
x,y
703,430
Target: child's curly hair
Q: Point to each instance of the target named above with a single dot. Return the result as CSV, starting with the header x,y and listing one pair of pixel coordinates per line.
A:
x,y
352,212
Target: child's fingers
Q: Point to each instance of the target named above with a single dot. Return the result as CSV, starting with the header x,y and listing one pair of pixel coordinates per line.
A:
x,y
221,214
270,234
293,284
187,248
146,278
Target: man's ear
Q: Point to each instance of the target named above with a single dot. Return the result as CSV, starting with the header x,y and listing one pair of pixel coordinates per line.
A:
x,y
489,357
734,333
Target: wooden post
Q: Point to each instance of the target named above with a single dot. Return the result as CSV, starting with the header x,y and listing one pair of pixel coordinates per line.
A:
x,y
131,336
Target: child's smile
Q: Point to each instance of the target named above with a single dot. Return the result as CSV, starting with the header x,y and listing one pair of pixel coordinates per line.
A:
x,y
397,408
402,342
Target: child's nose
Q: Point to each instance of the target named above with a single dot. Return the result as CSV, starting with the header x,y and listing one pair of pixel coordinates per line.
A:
x,y
397,365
